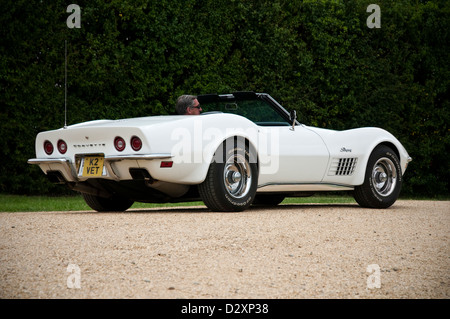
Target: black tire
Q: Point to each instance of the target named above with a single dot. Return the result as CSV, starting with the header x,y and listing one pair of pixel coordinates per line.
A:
x,y
232,178
268,200
382,181
102,204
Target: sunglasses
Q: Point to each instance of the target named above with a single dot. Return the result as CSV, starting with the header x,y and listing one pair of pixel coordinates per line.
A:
x,y
196,107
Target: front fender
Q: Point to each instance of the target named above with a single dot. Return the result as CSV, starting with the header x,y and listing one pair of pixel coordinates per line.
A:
x,y
359,143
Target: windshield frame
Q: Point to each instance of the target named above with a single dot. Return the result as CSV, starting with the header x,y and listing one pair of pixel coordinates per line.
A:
x,y
249,96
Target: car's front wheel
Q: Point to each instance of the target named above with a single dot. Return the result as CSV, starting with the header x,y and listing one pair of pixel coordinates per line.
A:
x,y
382,181
231,182
102,204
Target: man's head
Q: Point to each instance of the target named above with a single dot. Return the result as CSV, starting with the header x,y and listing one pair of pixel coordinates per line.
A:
x,y
188,105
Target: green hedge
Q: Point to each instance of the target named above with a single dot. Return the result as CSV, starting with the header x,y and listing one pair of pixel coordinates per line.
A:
x,y
134,58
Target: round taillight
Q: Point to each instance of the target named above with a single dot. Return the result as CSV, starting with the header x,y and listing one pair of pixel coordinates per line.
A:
x,y
62,147
136,143
119,143
48,147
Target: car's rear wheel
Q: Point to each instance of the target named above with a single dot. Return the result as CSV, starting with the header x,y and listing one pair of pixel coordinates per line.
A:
x,y
231,182
102,204
382,181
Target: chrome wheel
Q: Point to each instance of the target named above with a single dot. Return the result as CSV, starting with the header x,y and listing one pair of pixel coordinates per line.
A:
x,y
232,179
237,176
384,176
382,179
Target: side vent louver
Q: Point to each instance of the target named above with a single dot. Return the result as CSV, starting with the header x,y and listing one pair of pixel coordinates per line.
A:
x,y
343,166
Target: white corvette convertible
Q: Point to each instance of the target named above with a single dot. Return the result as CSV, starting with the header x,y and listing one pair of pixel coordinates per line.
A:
x,y
246,149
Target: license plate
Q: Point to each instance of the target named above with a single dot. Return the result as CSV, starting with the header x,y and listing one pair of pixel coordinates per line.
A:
x,y
93,166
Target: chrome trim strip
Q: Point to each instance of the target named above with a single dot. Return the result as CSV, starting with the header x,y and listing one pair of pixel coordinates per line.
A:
x,y
138,157
303,187
48,161
111,158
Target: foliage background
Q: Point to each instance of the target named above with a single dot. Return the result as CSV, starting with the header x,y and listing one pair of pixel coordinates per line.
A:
x,y
134,58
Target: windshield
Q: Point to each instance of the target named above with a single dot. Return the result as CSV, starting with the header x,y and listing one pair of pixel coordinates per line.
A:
x,y
256,110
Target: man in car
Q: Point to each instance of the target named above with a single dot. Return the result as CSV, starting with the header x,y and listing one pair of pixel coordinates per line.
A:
x,y
188,105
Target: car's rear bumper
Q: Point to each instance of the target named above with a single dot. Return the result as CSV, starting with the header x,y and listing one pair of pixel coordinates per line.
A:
x,y
116,167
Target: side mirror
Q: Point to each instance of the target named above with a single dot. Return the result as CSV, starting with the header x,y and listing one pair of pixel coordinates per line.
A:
x,y
293,118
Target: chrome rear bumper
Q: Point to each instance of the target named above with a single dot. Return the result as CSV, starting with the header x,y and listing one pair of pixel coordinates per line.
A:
x,y
69,171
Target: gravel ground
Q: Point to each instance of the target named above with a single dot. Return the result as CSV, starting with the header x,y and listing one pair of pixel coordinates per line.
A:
x,y
291,251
